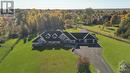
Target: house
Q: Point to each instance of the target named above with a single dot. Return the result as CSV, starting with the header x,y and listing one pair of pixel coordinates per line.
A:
x,y
64,39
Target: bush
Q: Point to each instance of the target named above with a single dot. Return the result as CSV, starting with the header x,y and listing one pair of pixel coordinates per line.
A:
x,y
13,36
124,29
124,67
107,24
2,40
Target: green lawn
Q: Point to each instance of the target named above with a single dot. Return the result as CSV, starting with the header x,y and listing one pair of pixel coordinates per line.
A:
x,y
24,60
114,51
99,28
6,47
73,30
109,31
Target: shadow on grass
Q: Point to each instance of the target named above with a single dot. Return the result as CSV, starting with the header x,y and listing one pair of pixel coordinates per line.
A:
x,y
42,48
49,48
91,24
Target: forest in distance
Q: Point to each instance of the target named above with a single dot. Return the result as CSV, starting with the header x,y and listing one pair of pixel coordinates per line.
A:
x,y
31,22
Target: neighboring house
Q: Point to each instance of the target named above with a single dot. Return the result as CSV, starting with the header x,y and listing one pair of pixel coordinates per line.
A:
x,y
64,39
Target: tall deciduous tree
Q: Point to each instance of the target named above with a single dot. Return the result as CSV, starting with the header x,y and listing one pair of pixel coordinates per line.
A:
x,y
124,29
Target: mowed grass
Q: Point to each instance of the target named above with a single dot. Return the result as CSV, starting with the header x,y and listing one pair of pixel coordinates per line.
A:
x,y
25,60
109,31
114,51
99,28
6,47
73,30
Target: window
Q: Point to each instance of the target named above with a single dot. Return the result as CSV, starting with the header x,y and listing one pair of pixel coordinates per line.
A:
x,y
72,41
54,36
40,40
81,40
69,41
94,40
89,41
54,42
85,40
63,37
47,36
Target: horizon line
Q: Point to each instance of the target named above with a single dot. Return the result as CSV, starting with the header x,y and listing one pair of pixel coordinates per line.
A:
x,y
69,8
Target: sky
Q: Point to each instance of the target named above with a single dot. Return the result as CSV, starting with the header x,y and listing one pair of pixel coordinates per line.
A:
x,y
71,4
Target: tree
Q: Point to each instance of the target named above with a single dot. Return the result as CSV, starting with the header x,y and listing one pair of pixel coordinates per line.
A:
x,y
115,19
107,24
124,12
68,16
124,67
106,18
2,26
68,23
54,23
124,27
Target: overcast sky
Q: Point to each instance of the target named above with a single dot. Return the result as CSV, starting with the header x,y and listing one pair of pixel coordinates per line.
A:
x,y
71,4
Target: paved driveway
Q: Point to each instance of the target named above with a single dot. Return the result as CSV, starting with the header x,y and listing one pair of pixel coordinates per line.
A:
x,y
95,58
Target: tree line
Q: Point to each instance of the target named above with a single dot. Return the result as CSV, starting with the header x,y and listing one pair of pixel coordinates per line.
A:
x,y
31,22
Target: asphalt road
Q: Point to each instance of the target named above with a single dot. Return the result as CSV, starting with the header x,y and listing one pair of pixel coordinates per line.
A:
x,y
94,54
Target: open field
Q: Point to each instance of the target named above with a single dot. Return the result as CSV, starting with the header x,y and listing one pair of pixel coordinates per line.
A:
x,y
114,51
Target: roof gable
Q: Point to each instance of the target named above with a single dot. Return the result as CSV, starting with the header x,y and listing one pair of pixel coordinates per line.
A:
x,y
69,36
56,36
35,40
79,35
89,36
51,35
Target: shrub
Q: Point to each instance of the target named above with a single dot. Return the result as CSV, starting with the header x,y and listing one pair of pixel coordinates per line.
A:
x,y
124,67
